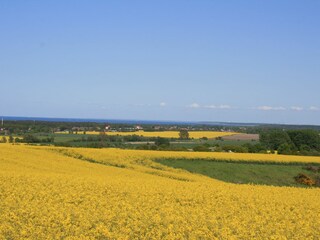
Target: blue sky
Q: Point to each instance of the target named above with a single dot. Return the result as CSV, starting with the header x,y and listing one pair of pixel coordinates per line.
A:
x,y
235,61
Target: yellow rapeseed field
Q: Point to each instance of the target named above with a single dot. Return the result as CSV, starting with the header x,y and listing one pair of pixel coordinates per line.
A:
x,y
77,193
167,134
127,155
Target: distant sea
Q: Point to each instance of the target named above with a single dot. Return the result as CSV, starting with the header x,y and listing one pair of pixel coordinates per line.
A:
x,y
124,121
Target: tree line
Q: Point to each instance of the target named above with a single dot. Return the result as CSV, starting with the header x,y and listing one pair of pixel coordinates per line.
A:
x,y
304,142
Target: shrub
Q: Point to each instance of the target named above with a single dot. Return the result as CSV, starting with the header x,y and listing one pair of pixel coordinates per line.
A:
x,y
201,148
305,179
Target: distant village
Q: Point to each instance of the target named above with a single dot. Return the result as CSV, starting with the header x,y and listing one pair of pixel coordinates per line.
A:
x,y
16,127
136,128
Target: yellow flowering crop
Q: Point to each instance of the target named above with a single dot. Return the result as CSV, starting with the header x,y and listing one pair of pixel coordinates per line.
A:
x,y
75,193
168,134
128,155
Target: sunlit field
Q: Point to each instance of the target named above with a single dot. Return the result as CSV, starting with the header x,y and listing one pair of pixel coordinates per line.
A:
x,y
54,193
127,156
165,134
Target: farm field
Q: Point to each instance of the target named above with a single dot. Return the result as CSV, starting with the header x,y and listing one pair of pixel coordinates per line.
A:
x,y
160,120
242,137
166,134
282,174
54,193
127,156
194,142
76,140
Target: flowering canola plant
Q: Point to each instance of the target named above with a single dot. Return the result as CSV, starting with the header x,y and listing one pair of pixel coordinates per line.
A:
x,y
165,134
78,193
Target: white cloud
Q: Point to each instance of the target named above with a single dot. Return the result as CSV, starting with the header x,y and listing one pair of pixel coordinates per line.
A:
x,y
194,105
163,104
210,106
224,106
295,108
269,108
313,108
265,108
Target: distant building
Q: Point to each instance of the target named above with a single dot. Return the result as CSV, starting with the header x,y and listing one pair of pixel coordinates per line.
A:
x,y
138,128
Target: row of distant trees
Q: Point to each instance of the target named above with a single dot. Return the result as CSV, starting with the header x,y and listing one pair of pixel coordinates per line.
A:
x,y
29,138
10,139
306,142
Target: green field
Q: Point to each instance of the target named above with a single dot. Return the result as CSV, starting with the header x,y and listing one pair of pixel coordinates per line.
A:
x,y
72,140
58,138
194,142
242,172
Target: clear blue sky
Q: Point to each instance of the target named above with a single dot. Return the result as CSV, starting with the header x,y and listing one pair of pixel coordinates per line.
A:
x,y
237,61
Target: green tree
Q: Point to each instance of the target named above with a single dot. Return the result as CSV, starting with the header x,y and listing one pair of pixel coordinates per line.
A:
x,y
29,138
184,134
164,142
235,148
11,140
4,139
201,148
305,137
285,148
273,139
